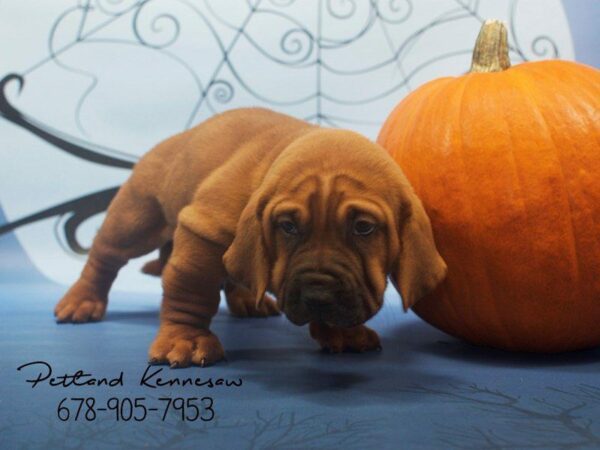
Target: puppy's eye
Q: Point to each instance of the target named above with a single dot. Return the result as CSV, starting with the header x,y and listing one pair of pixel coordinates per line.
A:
x,y
363,227
288,227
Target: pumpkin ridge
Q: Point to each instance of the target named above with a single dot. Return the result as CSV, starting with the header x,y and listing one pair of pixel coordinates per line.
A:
x,y
525,200
526,94
391,130
500,317
426,109
409,124
593,95
461,322
525,86
463,85
577,198
591,124
387,131
547,69
541,69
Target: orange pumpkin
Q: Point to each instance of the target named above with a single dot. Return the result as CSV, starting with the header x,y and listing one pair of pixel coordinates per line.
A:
x,y
506,161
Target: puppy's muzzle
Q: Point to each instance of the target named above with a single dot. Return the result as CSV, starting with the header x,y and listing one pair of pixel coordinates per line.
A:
x,y
319,291
323,296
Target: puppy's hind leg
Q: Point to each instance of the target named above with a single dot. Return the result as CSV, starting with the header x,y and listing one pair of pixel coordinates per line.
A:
x,y
242,303
133,227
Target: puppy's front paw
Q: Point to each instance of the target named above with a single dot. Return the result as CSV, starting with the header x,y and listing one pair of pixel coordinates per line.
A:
x,y
80,305
336,340
182,345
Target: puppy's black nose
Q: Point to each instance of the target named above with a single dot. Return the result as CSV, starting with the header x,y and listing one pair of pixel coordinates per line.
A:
x,y
318,299
318,290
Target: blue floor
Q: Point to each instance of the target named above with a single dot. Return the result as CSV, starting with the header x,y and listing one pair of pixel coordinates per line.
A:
x,y
424,390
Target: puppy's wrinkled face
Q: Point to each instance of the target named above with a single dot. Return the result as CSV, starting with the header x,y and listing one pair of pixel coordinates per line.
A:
x,y
323,232
326,237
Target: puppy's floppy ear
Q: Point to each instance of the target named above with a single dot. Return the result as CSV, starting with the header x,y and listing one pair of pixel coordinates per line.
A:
x,y
246,259
418,267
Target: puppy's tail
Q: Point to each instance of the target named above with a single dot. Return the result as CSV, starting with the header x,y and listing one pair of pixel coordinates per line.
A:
x,y
153,268
156,266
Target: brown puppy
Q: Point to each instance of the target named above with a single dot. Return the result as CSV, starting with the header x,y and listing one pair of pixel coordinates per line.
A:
x,y
252,200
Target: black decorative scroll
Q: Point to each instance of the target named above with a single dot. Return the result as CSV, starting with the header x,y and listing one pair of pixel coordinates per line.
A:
x,y
76,147
77,210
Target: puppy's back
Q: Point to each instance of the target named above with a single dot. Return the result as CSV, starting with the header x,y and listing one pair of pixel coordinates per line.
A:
x,y
172,170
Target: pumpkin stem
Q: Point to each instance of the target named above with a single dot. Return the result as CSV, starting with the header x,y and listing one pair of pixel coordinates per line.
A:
x,y
491,49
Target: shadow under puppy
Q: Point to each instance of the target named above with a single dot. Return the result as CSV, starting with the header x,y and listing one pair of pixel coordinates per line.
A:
x,y
252,200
